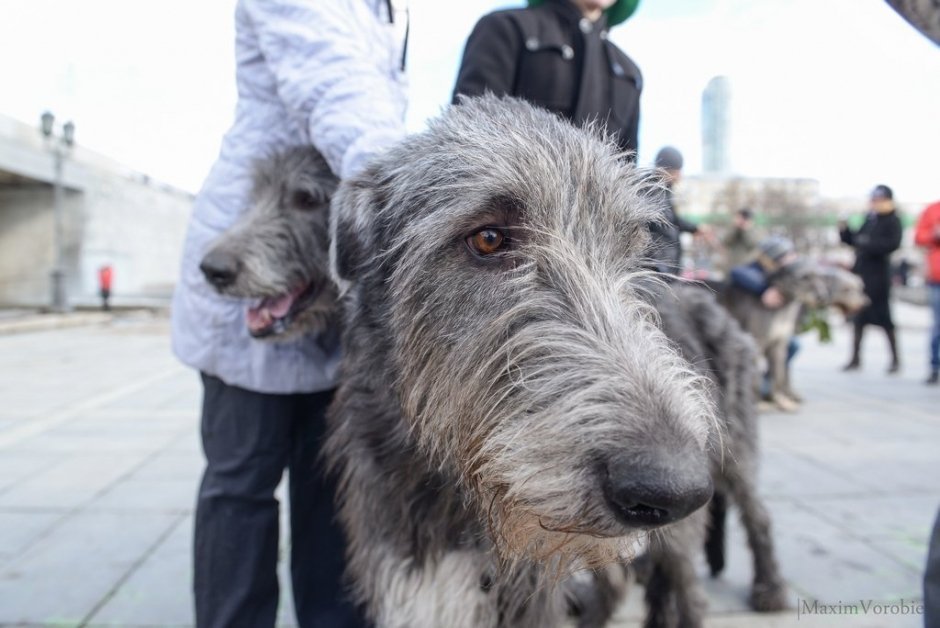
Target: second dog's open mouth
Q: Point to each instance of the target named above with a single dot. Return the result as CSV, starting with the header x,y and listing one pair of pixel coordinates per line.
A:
x,y
273,315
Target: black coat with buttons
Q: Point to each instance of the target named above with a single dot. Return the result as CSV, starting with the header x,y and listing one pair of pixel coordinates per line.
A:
x,y
553,57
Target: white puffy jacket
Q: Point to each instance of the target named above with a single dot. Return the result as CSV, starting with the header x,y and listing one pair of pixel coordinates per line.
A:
x,y
326,72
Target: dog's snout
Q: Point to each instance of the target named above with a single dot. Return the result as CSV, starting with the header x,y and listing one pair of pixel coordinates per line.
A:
x,y
220,268
653,490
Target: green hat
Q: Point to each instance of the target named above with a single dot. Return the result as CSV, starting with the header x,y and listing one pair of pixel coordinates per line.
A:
x,y
618,12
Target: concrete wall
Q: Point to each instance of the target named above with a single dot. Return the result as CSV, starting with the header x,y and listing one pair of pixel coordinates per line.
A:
x,y
26,243
112,216
138,230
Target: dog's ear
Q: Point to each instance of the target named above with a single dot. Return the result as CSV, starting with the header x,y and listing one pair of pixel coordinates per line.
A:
x,y
352,215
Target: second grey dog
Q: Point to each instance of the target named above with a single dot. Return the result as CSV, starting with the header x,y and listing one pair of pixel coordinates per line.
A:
x,y
710,338
510,411
714,341
275,255
772,329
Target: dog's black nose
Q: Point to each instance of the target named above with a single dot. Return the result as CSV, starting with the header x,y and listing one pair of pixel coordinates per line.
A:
x,y
220,268
657,487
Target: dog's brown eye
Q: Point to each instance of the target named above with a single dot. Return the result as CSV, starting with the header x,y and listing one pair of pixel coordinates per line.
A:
x,y
487,241
304,200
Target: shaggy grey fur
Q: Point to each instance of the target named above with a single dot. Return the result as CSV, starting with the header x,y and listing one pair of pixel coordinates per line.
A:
x,y
276,253
711,339
499,401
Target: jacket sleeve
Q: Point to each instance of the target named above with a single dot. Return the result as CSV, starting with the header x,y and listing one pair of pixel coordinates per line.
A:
x,y
882,241
749,278
847,236
490,59
925,233
686,226
323,61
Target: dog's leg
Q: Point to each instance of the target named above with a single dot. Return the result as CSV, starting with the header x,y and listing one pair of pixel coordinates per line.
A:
x,y
768,592
593,596
777,361
716,533
674,594
792,347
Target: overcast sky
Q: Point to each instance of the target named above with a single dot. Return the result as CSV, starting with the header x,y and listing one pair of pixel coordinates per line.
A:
x,y
840,90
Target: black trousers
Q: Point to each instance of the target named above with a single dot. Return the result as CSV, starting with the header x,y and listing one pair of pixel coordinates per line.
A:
x,y
249,439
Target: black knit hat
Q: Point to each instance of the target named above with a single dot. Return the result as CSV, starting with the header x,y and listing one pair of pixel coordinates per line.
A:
x,y
775,247
882,192
668,158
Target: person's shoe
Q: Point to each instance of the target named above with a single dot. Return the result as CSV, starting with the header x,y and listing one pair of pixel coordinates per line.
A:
x,y
854,365
933,378
894,368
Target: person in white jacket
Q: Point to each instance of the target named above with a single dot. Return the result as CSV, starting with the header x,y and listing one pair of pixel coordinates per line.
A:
x,y
330,74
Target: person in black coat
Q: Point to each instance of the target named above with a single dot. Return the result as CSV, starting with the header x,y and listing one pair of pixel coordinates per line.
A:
x,y
665,251
874,242
556,54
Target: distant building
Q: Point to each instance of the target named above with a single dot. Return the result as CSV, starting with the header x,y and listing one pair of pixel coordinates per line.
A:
x,y
716,126
112,216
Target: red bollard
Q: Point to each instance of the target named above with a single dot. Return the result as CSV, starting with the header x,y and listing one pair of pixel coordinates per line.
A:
x,y
105,275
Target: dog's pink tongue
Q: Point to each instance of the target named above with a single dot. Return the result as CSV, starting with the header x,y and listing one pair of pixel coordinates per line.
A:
x,y
280,306
262,315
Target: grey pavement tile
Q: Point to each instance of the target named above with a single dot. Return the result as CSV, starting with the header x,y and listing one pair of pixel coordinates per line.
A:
x,y
189,443
54,497
899,527
892,470
159,592
145,423
63,578
157,396
823,561
71,483
18,466
783,473
103,442
149,495
21,529
172,465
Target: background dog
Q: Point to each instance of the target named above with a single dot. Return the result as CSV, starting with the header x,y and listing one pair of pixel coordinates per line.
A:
x,y
276,255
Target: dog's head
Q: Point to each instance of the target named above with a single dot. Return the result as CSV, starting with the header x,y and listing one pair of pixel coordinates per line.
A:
x,y
276,255
500,253
844,291
801,282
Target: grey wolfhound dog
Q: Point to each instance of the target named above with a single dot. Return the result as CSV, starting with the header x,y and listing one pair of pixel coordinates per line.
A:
x,y
840,289
276,254
772,329
712,340
510,412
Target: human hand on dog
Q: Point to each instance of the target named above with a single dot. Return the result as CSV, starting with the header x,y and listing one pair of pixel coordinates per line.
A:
x,y
772,298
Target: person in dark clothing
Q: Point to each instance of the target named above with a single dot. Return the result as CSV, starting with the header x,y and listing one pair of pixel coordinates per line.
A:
x,y
666,247
556,54
874,241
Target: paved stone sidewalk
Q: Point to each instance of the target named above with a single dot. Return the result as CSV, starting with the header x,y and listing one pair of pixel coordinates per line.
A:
x,y
99,462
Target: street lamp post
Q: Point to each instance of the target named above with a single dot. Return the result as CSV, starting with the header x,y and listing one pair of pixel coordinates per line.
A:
x,y
59,147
